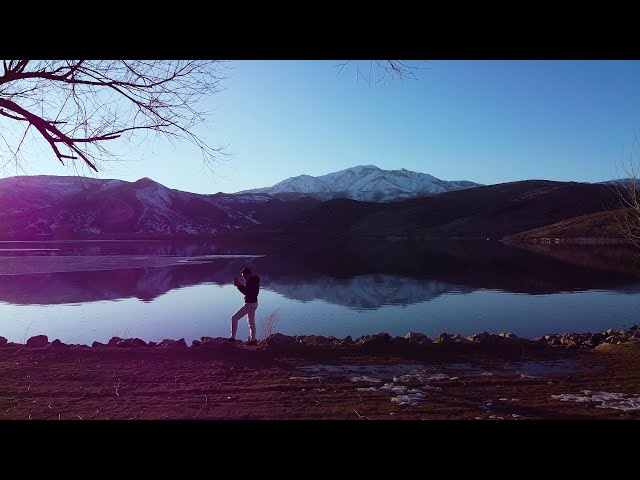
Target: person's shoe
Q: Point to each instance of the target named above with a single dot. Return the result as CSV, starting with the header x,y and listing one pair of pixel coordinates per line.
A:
x,y
231,339
251,342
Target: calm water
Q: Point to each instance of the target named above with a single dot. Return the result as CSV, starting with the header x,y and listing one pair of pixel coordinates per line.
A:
x,y
85,291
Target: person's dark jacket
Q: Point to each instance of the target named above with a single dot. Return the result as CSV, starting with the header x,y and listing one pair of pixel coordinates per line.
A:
x,y
251,289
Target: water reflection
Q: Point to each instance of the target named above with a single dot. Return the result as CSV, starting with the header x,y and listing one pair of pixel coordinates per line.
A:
x,y
367,277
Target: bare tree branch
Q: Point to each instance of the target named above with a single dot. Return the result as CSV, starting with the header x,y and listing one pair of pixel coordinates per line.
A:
x,y
82,105
380,71
628,190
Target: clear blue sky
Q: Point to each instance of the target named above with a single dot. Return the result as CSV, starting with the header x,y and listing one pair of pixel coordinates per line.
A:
x,y
484,121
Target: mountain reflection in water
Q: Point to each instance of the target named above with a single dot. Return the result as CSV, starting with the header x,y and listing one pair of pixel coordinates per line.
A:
x,y
367,277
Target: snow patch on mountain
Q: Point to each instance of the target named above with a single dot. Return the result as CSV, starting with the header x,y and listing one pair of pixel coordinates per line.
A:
x,y
365,183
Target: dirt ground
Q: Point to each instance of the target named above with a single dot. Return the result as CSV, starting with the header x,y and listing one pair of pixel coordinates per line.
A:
x,y
222,381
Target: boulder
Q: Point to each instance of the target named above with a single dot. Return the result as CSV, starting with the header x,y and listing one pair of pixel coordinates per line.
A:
x,y
131,343
415,337
378,339
114,341
38,341
279,339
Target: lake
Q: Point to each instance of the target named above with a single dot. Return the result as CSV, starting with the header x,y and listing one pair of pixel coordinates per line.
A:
x,y
80,292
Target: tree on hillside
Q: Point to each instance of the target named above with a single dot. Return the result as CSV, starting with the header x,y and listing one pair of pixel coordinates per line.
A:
x,y
629,215
75,109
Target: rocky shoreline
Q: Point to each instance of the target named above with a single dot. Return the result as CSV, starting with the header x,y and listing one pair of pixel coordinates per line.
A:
x,y
311,377
586,340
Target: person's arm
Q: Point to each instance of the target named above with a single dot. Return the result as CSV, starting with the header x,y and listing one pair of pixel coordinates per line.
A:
x,y
239,285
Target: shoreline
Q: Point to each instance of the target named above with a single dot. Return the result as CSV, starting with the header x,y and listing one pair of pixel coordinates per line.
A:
x,y
572,340
375,377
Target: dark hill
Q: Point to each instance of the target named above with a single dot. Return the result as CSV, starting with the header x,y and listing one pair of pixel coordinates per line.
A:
x,y
488,211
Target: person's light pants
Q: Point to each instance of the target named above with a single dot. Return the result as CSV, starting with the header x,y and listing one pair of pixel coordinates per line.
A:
x,y
248,309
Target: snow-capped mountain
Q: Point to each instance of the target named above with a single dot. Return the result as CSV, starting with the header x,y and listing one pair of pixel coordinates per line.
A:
x,y
71,207
364,182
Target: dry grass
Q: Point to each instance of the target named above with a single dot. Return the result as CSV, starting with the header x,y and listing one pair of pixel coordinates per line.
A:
x,y
268,325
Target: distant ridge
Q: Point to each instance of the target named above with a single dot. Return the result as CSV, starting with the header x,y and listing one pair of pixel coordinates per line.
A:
x,y
73,207
364,182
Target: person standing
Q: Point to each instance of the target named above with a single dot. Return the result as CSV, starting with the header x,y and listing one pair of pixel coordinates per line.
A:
x,y
250,289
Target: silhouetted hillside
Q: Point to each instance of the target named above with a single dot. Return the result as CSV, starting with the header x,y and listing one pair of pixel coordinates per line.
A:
x,y
489,211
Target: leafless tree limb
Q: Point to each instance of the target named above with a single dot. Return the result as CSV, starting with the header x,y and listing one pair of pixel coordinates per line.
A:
x,y
629,195
79,106
381,71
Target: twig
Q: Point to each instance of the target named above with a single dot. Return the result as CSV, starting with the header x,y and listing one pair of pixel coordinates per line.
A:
x,y
362,416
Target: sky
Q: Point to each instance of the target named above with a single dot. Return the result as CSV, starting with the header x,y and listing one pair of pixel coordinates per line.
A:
x,y
478,120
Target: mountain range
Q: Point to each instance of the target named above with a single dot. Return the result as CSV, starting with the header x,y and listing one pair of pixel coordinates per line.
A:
x,y
359,202
366,183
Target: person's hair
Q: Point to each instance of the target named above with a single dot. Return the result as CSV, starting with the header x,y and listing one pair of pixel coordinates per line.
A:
x,y
245,270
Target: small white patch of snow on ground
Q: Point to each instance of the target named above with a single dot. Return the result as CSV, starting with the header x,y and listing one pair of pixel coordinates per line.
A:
x,y
618,401
367,389
305,378
420,377
486,374
390,388
430,387
366,378
411,399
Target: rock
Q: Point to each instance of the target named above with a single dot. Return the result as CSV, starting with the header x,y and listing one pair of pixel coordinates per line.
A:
x,y
152,344
481,337
443,338
459,339
196,343
38,341
399,340
568,340
168,342
3,341
279,339
114,341
347,340
131,343
378,339
56,343
316,340
415,337
97,345
508,335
